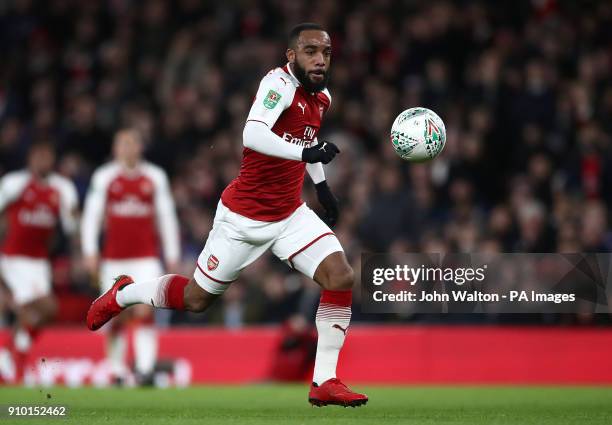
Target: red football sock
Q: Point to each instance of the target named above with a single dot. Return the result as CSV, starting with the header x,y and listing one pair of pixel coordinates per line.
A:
x,y
175,290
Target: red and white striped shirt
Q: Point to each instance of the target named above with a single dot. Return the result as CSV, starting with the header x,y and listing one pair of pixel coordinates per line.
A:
x,y
137,210
270,188
33,208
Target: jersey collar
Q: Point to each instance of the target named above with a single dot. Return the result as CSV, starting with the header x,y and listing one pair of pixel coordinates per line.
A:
x,y
288,70
130,172
40,179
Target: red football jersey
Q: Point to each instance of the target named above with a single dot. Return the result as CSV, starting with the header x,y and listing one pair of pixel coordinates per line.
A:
x,y
33,208
136,208
269,188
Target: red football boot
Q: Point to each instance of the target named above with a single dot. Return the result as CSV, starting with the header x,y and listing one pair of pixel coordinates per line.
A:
x,y
333,391
105,307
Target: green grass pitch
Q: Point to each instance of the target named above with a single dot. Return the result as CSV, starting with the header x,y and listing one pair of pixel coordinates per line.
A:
x,y
286,404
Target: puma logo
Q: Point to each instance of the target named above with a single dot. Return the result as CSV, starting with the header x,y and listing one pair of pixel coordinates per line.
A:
x,y
302,106
341,328
322,148
283,80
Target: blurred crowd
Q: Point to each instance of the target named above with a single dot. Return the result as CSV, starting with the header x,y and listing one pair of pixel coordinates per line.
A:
x,y
524,87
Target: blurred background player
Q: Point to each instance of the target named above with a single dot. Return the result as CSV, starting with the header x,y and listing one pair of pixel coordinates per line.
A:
x,y
33,200
132,198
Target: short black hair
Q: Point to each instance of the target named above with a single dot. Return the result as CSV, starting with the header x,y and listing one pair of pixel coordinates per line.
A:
x,y
295,32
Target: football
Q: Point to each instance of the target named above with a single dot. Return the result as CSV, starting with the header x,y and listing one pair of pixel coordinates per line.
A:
x,y
418,135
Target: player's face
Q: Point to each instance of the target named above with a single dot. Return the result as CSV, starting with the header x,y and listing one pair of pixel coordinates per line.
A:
x,y
127,147
311,59
41,160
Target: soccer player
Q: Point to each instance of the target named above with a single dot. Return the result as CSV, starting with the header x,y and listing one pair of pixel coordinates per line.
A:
x,y
262,209
33,200
132,198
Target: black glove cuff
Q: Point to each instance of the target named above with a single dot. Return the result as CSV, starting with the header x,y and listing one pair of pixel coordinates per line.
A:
x,y
322,187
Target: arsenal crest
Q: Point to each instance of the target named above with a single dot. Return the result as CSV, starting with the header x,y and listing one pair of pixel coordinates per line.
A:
x,y
212,263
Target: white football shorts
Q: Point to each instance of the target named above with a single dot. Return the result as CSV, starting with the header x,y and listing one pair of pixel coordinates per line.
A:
x,y
302,240
138,268
27,278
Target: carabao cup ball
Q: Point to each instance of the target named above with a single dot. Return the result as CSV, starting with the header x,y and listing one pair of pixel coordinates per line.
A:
x,y
418,135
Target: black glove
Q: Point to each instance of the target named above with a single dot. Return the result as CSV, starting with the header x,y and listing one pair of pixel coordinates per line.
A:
x,y
329,203
321,152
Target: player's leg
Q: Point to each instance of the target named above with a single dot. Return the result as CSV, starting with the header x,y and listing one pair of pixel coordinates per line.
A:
x,y
333,317
198,293
227,251
116,339
145,336
38,312
144,341
142,322
233,243
309,246
29,282
137,322
31,318
117,347
171,291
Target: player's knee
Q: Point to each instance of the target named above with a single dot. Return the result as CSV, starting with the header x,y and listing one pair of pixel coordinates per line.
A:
x,y
341,279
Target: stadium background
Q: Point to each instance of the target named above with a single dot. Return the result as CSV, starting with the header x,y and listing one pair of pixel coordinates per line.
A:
x,y
524,88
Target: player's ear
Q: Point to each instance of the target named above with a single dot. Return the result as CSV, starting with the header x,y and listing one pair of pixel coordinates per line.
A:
x,y
290,53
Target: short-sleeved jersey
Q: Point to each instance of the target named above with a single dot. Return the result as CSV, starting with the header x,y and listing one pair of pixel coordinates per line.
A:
x,y
33,208
269,188
136,208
